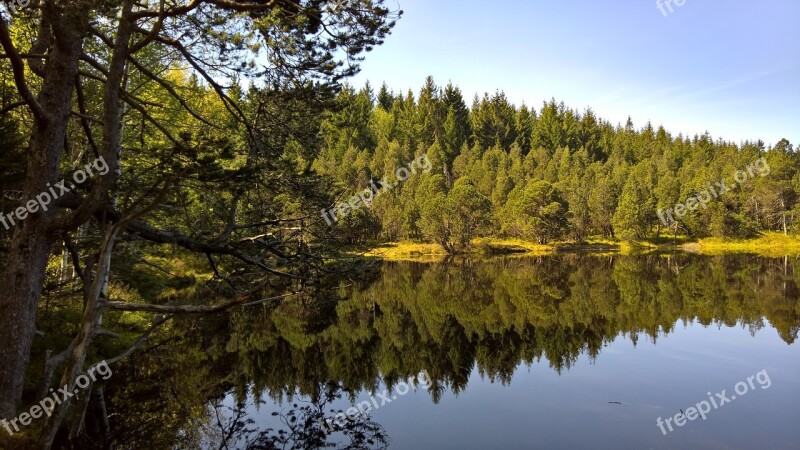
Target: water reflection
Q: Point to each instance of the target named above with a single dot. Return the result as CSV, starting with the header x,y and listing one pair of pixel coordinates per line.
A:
x,y
449,319
302,425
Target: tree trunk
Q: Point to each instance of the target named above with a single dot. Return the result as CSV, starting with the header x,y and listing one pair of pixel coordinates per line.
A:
x,y
32,242
22,286
80,345
783,215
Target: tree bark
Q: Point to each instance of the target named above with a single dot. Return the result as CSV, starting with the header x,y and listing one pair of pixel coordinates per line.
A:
x,y
783,215
31,243
80,345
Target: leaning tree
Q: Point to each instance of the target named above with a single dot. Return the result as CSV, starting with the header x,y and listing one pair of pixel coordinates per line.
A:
x,y
98,71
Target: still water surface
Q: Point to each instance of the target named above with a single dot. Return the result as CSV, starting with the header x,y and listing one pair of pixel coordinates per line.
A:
x,y
568,351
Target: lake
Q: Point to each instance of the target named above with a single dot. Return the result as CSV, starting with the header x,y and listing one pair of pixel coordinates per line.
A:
x,y
563,351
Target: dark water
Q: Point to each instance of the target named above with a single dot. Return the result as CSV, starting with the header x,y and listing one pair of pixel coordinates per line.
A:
x,y
570,351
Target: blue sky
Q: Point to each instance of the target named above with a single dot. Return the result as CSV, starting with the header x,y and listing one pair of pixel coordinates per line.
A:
x,y
729,67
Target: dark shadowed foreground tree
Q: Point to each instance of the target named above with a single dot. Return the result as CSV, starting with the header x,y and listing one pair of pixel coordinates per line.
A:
x,y
88,70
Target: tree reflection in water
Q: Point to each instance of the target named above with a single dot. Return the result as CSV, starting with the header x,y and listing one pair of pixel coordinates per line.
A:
x,y
302,427
447,318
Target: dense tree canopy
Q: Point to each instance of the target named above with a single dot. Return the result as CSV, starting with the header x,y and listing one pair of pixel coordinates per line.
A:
x,y
225,128
551,174
205,114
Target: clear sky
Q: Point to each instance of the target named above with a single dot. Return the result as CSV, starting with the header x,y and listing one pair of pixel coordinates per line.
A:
x,y
729,67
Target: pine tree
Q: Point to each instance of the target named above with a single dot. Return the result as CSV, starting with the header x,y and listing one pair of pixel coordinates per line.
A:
x,y
524,122
636,211
537,211
430,113
385,98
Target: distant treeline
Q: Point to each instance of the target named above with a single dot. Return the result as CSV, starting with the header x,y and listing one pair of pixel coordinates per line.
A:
x,y
544,175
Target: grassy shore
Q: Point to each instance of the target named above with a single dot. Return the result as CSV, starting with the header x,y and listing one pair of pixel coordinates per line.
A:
x,y
425,252
413,251
402,251
769,244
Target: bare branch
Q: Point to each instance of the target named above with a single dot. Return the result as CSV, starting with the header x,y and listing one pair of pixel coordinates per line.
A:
x,y
84,116
194,309
148,232
139,342
102,332
171,91
177,11
229,104
152,234
76,259
129,99
87,130
18,68
153,32
12,107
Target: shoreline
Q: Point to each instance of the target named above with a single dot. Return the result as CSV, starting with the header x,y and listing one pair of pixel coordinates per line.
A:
x,y
773,245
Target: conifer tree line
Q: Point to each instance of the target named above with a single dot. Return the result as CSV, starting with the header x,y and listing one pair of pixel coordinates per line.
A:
x,y
552,174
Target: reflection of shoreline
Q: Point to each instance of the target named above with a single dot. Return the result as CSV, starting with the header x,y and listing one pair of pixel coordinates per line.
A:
x,y
463,317
453,316
510,310
364,408
301,426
